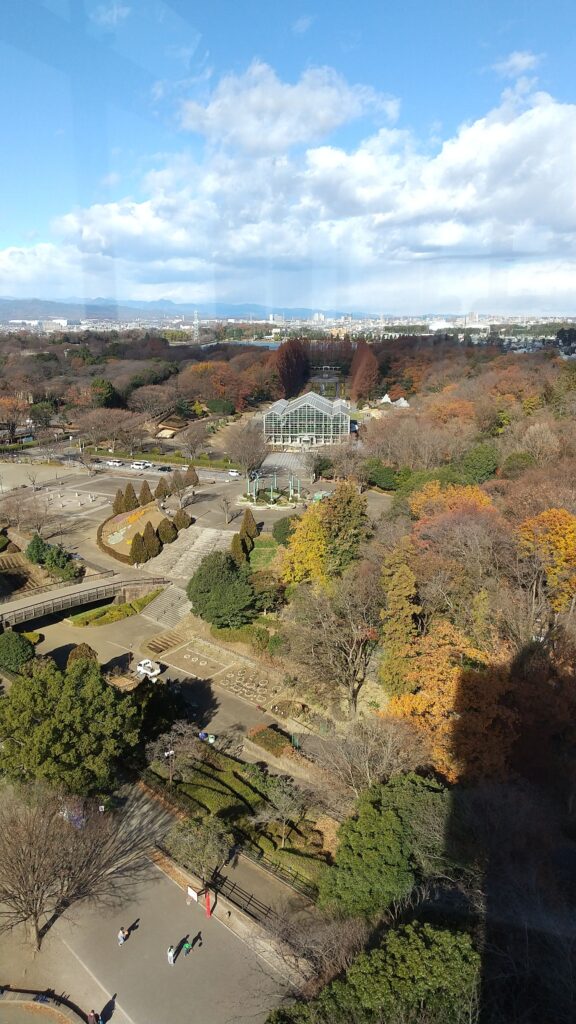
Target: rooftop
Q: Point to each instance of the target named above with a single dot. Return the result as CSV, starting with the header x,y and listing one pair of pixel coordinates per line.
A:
x,y
326,405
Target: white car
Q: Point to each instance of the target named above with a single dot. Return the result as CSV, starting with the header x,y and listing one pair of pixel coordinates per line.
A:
x,y
140,464
114,464
233,472
149,668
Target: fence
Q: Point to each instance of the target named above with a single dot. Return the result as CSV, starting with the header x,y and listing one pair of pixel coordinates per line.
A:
x,y
284,873
38,610
245,901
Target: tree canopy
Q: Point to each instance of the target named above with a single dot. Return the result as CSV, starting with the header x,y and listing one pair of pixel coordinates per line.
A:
x,y
220,591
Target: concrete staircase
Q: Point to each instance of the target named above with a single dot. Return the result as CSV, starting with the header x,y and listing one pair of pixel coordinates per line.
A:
x,y
168,608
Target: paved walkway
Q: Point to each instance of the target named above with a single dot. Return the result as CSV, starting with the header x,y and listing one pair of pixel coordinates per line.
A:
x,y
221,982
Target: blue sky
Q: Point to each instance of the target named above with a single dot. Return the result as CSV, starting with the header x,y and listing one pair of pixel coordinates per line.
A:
x,y
388,156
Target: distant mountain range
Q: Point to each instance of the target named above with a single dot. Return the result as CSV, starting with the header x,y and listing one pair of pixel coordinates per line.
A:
x,y
127,309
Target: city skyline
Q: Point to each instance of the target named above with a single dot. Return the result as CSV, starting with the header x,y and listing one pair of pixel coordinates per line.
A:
x,y
328,158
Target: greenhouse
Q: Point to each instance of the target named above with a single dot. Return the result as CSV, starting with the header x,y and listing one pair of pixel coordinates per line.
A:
x,y
310,419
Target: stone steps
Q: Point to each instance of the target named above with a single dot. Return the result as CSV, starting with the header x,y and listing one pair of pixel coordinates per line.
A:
x,y
168,608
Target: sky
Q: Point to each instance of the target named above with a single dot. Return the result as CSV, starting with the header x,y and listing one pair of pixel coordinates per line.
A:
x,y
384,156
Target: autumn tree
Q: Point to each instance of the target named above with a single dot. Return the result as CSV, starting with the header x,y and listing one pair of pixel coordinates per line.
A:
x,y
13,412
292,366
305,557
191,477
460,704
364,373
194,438
247,446
346,526
399,621
138,551
550,539
248,525
182,520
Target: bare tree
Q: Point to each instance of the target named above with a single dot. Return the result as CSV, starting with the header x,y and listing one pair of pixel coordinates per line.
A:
x,y
326,944
152,400
225,505
370,751
334,634
247,446
179,748
285,804
194,438
202,846
55,852
37,513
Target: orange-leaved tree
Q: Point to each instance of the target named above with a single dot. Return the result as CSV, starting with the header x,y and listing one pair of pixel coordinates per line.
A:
x,y
459,704
550,539
433,499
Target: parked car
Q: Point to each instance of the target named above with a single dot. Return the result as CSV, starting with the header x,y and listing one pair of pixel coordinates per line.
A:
x,y
233,472
164,469
140,464
113,463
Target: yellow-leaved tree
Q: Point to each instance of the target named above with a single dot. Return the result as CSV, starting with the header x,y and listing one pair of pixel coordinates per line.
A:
x,y
306,554
550,539
432,499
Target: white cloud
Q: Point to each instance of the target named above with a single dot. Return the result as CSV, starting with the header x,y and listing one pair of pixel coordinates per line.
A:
x,y
517,63
485,221
301,25
261,114
110,15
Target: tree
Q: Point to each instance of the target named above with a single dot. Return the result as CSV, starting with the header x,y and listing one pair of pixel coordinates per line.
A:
x,y
460,704
55,853
237,550
118,504
285,804
138,550
282,529
104,393
346,526
550,539
151,540
247,446
395,839
37,550
13,413
41,414
247,542
145,496
67,728
380,475
191,477
421,974
248,525
372,750
292,366
335,632
364,372
15,651
221,593
194,438
167,532
480,463
81,652
182,520
130,499
306,553
201,845
399,621
162,490
178,486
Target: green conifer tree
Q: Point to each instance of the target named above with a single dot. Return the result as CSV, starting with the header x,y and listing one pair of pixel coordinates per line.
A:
x,y
130,499
237,550
249,524
138,552
182,520
399,618
191,477
162,490
167,532
145,496
246,540
151,540
118,505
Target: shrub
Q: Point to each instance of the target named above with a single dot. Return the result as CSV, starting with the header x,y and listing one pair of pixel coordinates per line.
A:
x,y
81,652
270,739
182,520
151,540
130,499
220,592
233,635
380,475
517,463
31,635
246,540
249,526
283,528
138,551
276,645
37,550
145,496
167,532
118,503
259,640
220,405
15,651
4,542
479,463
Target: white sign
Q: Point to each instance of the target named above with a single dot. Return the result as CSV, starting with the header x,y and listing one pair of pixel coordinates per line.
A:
x,y
192,894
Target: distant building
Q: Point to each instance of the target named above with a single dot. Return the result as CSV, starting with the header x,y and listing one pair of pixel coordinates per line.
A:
x,y
310,419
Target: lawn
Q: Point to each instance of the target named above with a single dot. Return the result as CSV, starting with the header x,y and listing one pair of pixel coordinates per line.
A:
x,y
263,553
107,613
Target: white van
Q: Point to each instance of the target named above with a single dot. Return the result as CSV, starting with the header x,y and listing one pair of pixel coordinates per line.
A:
x,y
141,465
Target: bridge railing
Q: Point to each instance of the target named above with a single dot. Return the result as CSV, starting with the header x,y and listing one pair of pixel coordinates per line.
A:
x,y
38,609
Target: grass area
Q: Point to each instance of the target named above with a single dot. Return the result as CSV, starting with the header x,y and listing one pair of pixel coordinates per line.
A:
x,y
20,447
108,613
263,553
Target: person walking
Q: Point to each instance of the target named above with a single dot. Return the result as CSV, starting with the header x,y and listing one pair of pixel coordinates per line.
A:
x,y
93,1017
187,947
170,955
122,936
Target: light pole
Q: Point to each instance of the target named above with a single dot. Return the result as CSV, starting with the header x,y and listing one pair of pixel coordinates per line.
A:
x,y
169,755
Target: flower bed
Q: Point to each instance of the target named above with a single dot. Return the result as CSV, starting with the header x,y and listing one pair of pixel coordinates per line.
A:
x,y
118,532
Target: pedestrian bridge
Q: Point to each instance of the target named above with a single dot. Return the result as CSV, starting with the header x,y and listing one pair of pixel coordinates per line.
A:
x,y
98,587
